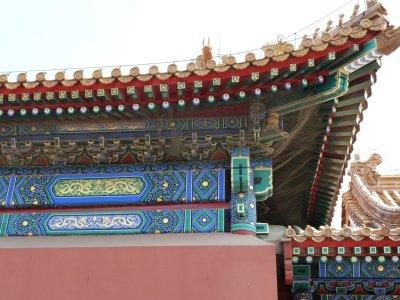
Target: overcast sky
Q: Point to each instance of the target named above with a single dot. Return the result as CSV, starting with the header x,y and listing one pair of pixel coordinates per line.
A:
x,y
47,34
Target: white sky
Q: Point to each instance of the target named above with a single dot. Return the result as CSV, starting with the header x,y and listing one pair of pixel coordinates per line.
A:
x,y
47,34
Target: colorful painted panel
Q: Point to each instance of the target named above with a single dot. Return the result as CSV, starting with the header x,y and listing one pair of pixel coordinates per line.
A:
x,y
98,187
243,212
372,267
113,188
207,186
343,275
116,222
234,122
109,169
240,169
262,183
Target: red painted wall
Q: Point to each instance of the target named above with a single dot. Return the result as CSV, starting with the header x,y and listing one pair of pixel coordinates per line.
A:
x,y
240,271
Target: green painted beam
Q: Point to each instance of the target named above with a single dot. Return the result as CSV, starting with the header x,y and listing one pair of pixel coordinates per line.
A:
x,y
335,86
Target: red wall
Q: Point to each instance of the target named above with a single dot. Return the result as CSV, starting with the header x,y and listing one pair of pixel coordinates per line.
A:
x,y
244,271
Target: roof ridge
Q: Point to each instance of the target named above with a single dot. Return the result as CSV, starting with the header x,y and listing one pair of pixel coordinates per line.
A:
x,y
357,27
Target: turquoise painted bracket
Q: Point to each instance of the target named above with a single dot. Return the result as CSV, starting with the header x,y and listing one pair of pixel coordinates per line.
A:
x,y
248,186
243,200
240,170
262,228
262,183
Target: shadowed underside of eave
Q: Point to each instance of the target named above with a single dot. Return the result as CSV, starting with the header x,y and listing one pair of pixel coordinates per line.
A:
x,y
320,143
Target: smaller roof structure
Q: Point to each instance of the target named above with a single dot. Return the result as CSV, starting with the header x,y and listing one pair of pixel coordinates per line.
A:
x,y
372,200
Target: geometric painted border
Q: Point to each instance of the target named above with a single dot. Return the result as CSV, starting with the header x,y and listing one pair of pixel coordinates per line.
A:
x,y
94,189
113,222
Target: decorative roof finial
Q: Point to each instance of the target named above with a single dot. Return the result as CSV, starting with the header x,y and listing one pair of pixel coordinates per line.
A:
x,y
367,169
328,26
205,56
316,33
355,11
371,3
341,17
303,40
389,40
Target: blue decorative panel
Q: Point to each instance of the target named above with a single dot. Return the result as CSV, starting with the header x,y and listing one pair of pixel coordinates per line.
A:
x,y
115,222
4,190
207,220
343,269
375,269
343,277
30,191
190,184
146,187
167,187
98,169
207,185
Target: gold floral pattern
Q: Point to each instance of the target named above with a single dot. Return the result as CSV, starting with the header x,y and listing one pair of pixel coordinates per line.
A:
x,y
98,187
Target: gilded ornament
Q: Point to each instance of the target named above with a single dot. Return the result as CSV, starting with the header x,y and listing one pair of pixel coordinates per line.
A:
x,y
3,78
107,80
68,83
191,66
326,37
250,57
98,187
241,66
366,23
60,76
21,77
134,71
153,70
163,76
211,64
88,82
221,68
125,79
172,68
182,74
230,60
97,74
261,62
345,31
116,72
31,84
78,75
50,83
12,85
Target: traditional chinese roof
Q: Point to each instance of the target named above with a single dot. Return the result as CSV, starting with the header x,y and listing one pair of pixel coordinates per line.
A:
x,y
279,68
302,106
314,258
276,55
319,151
326,233
372,199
